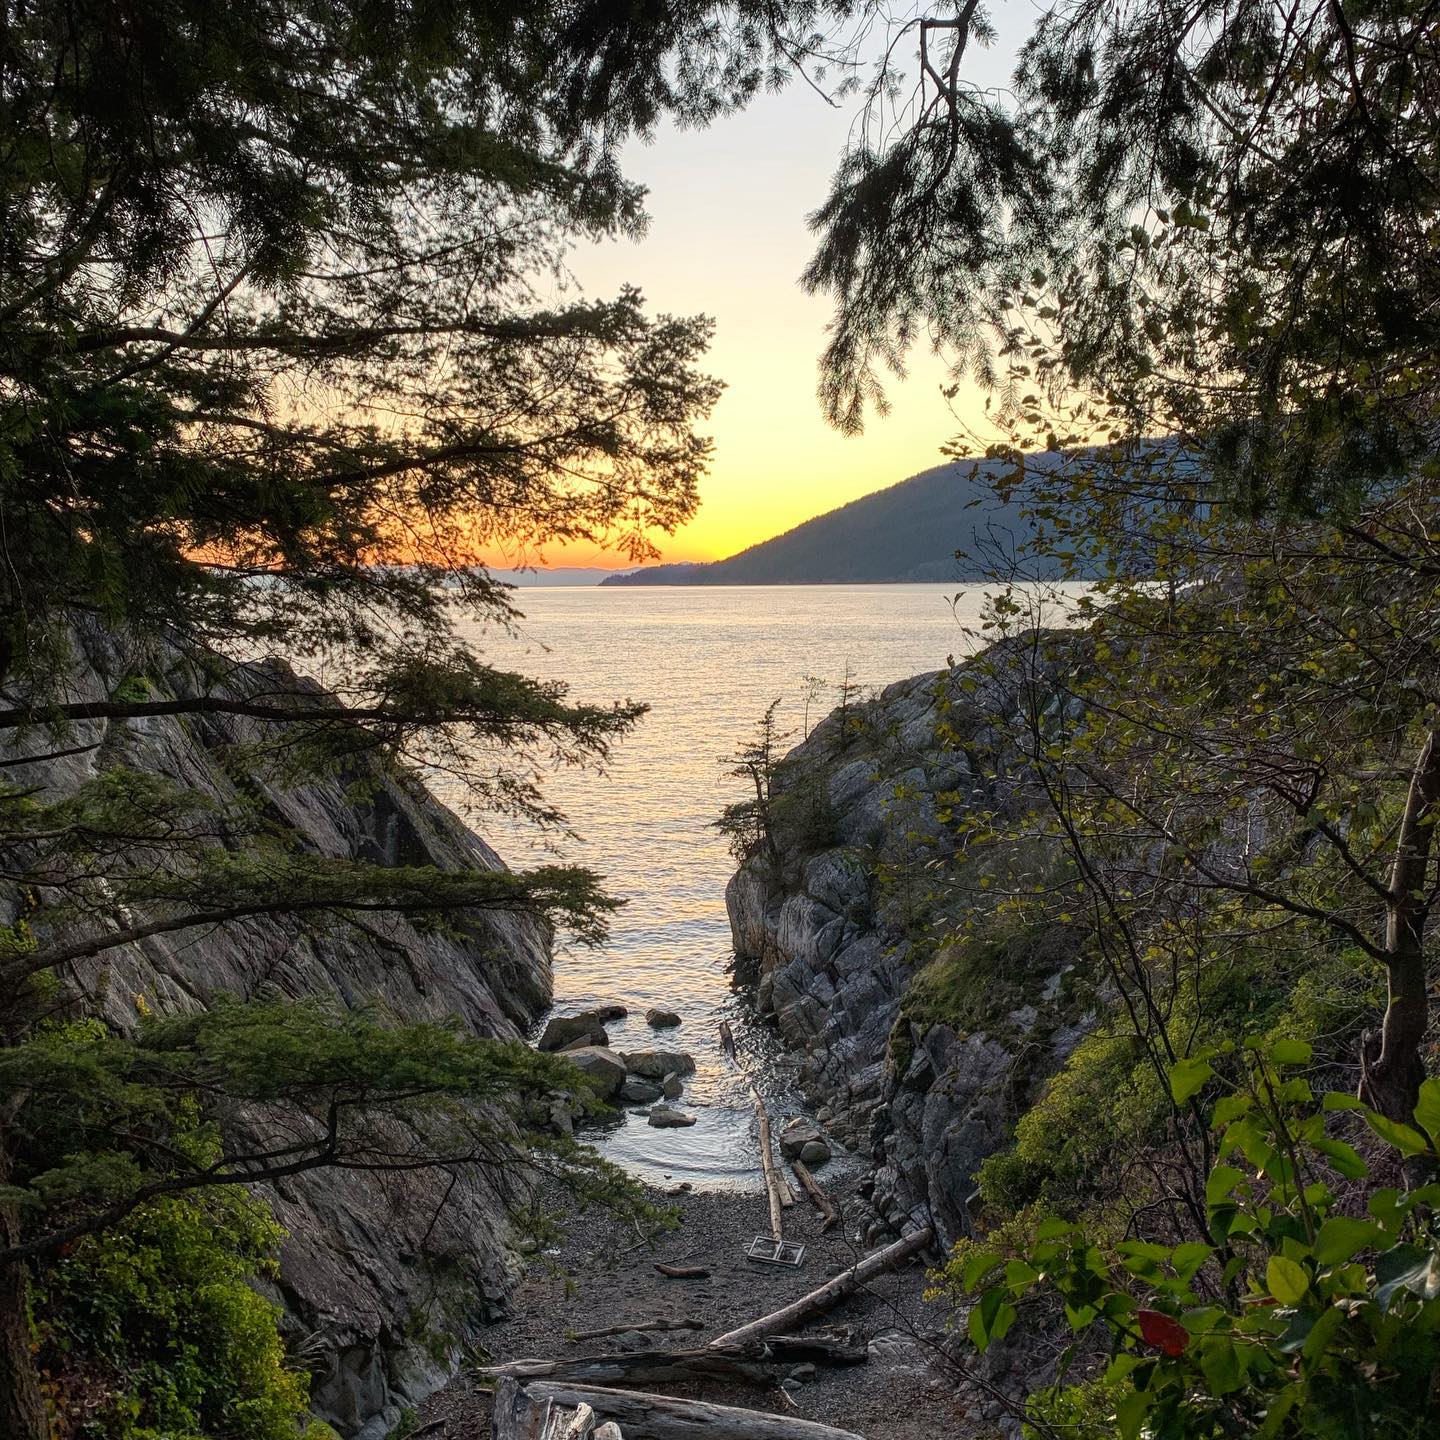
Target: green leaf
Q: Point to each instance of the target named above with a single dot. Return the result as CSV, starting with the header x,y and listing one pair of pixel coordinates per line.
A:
x,y
1188,1077
1291,1052
1427,1110
990,1318
1392,1132
1188,1258
977,1267
1220,1365
1229,1108
1340,1238
1338,1100
1286,1280
1322,1332
1019,1274
1223,1179
1130,1413
1406,1267
1344,1157
1277,1411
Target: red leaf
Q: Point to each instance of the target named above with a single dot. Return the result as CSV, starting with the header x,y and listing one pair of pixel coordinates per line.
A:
x,y
1162,1332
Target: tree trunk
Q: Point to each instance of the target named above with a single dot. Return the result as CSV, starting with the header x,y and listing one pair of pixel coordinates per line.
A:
x,y
1391,1068
22,1407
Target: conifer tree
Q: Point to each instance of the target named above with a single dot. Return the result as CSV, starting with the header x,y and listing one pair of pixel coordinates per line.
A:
x,y
286,341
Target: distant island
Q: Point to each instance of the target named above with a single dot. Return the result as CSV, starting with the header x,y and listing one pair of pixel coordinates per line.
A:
x,y
908,533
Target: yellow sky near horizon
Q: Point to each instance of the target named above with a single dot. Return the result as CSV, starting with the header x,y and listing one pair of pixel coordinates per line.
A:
x,y
728,237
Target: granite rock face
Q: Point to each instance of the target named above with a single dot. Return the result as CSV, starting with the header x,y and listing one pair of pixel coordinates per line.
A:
x,y
835,938
380,1275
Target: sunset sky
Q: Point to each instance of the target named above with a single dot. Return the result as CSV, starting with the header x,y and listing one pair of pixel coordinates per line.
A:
x,y
728,238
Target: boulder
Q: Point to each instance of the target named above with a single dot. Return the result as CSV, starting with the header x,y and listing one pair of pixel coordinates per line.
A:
x,y
662,1019
657,1064
672,1087
639,1092
602,1066
563,1030
609,1012
801,1140
595,1037
665,1117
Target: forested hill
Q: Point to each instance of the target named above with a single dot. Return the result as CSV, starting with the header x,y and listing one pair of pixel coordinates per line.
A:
x,y
909,532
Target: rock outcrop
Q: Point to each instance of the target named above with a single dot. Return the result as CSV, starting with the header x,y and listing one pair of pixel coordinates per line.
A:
x,y
913,1038
380,1275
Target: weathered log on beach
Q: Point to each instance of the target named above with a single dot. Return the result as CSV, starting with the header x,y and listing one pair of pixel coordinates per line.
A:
x,y
521,1408
643,1367
688,1323
773,1182
752,1363
821,1200
683,1272
830,1294
796,1349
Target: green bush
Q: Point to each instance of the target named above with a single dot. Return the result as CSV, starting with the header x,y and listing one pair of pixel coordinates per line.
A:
x,y
1104,1104
1107,1103
154,1332
1295,1319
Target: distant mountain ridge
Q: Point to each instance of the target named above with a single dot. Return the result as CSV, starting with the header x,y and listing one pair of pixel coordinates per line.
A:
x,y
906,534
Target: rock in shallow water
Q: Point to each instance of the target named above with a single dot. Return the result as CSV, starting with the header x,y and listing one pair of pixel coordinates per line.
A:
x,y
602,1066
672,1087
665,1117
563,1030
656,1064
639,1092
662,1019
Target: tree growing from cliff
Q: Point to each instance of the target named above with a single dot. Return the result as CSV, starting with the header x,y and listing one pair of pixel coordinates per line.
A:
x,y
286,344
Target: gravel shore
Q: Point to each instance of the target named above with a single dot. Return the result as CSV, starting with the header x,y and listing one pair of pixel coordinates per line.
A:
x,y
601,1276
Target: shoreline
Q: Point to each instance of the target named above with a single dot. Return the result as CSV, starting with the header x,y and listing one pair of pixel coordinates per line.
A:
x,y
598,1276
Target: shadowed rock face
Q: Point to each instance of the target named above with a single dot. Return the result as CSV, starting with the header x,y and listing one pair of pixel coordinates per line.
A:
x,y
835,937
377,1269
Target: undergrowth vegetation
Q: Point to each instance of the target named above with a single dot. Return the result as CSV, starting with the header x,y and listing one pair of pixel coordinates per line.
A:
x,y
155,1331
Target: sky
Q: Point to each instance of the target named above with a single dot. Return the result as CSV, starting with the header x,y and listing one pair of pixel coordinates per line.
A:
x,y
728,237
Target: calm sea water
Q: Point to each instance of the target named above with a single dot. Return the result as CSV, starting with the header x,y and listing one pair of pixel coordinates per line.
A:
x,y
708,662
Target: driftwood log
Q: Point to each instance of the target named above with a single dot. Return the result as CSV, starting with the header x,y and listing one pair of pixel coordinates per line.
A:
x,y
520,1407
752,1363
776,1186
767,1163
686,1324
821,1200
641,1367
829,1294
683,1272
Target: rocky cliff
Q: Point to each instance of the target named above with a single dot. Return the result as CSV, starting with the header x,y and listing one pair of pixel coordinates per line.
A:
x,y
379,1274
926,1016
